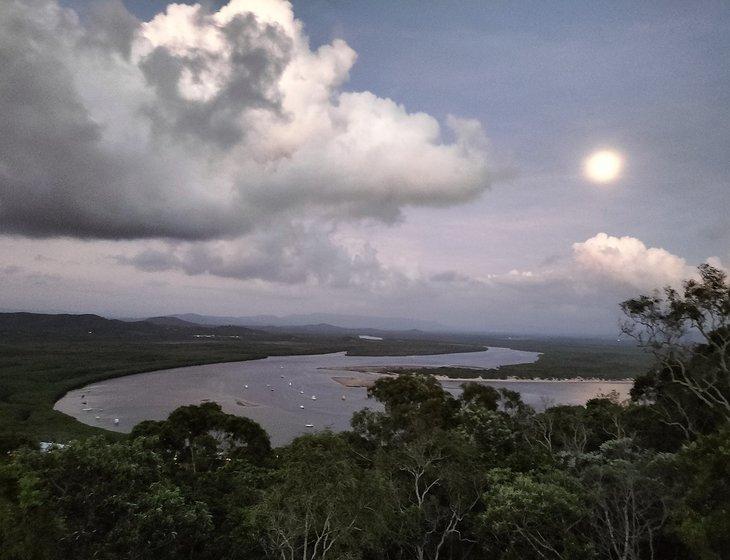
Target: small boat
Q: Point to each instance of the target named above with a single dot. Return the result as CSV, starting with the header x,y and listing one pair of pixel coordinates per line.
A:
x,y
301,392
309,425
314,397
344,397
245,386
281,376
116,421
97,417
271,388
290,384
301,406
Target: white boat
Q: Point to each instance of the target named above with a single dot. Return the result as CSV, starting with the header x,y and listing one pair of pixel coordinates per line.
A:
x,y
97,417
301,406
116,421
344,397
87,409
290,384
314,397
245,386
309,425
301,392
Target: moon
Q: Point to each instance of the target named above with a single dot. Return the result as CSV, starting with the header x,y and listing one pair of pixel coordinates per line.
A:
x,y
603,166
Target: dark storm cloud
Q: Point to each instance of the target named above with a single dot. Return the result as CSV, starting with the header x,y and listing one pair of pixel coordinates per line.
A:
x,y
56,175
186,128
258,55
111,27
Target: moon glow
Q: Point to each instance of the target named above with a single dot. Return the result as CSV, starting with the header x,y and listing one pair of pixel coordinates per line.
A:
x,y
604,166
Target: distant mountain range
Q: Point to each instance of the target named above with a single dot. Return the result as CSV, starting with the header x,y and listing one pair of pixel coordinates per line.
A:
x,y
38,324
175,326
318,321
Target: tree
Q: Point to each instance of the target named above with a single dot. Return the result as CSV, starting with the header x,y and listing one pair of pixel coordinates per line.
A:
x,y
627,503
702,515
323,503
492,420
202,437
534,516
95,499
414,404
435,482
690,386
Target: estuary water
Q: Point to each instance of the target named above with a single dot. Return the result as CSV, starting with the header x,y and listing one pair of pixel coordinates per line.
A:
x,y
277,392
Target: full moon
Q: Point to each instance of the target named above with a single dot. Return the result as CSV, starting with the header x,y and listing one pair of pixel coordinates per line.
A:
x,y
603,166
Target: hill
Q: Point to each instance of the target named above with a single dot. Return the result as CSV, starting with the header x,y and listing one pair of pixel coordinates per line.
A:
x,y
355,322
14,325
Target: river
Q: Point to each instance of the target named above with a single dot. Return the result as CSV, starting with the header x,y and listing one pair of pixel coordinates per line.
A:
x,y
277,391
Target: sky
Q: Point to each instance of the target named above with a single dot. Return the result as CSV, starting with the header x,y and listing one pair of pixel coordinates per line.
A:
x,y
410,159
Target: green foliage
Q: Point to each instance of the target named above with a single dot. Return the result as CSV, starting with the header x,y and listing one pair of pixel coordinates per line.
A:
x,y
99,500
628,502
532,515
702,516
689,387
202,437
414,403
321,504
429,477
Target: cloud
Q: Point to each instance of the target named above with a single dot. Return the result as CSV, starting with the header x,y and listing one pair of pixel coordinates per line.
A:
x,y
628,261
286,255
204,126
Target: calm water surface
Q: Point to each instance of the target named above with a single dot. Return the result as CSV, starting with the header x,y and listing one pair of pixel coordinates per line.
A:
x,y
279,386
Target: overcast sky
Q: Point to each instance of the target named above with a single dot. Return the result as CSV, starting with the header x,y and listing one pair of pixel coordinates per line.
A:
x,y
417,159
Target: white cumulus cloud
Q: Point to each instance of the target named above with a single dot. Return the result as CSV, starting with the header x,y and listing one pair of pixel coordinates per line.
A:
x,y
627,260
202,125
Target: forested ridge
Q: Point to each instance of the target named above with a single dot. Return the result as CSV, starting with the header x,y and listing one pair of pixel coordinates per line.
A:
x,y
431,476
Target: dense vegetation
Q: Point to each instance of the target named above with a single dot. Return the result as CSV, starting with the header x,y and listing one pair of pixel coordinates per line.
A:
x,y
430,476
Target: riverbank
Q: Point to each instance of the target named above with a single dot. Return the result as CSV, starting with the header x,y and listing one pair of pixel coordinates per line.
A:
x,y
393,371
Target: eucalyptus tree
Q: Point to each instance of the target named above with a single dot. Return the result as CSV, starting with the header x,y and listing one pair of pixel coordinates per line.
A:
x,y
322,504
627,500
435,484
535,515
688,332
701,516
